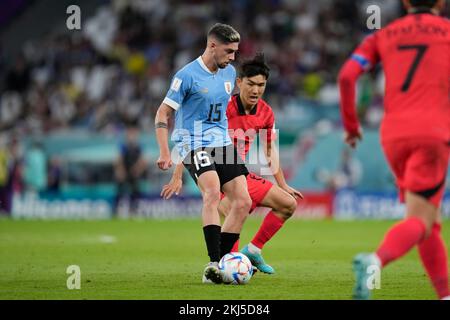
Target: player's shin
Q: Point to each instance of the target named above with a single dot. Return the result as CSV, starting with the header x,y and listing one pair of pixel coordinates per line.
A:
x,y
232,225
270,226
227,241
212,239
401,238
433,254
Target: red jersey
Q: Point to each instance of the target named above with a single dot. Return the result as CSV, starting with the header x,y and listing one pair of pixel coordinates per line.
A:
x,y
244,128
415,55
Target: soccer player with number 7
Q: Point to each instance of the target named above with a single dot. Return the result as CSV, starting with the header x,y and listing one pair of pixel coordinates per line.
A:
x,y
415,133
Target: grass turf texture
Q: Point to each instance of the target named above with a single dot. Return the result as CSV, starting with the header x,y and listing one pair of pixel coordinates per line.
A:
x,y
164,260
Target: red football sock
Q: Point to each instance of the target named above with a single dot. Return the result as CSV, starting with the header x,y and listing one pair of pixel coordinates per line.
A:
x,y
400,239
434,258
269,227
235,247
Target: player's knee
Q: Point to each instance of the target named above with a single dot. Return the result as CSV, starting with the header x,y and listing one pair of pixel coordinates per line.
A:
x,y
428,226
427,222
211,197
223,210
289,207
243,204
420,208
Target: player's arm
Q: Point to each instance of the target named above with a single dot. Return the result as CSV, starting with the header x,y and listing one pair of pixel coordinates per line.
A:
x,y
364,57
272,156
175,184
348,76
179,88
163,115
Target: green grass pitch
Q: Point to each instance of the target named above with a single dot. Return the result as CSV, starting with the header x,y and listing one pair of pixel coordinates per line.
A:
x,y
164,260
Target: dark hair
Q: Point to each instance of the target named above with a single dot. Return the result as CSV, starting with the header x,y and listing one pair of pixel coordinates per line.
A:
x,y
224,33
423,3
254,67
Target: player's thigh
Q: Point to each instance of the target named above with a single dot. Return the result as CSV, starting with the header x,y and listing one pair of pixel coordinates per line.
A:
x,y
257,188
209,185
228,164
397,154
236,189
198,162
420,207
202,169
279,200
426,170
420,167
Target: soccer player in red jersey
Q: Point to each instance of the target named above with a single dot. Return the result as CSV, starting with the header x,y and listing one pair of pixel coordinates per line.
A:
x,y
249,116
415,132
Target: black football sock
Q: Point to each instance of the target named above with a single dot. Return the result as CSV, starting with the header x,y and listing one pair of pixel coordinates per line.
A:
x,y
227,240
212,239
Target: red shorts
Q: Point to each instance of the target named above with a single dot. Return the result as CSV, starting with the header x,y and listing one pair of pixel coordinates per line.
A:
x,y
257,188
420,166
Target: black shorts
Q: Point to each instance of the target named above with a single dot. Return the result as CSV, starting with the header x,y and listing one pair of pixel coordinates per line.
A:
x,y
224,160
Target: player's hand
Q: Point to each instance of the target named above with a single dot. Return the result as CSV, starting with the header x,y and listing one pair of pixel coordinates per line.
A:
x,y
174,186
164,162
352,138
293,192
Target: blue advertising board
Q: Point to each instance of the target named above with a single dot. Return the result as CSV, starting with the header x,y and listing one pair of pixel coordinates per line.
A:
x,y
349,204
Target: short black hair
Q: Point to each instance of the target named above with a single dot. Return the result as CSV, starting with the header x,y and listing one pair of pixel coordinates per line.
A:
x,y
423,3
254,67
224,33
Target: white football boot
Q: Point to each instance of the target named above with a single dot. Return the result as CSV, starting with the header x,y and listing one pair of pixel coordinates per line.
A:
x,y
212,274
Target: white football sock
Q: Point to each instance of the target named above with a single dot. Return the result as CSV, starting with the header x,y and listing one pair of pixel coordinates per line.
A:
x,y
376,259
253,249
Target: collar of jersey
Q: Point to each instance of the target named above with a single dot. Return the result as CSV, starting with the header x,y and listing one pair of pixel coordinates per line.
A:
x,y
241,108
203,65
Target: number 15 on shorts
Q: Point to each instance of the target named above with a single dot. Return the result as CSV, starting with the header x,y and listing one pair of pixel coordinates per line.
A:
x,y
201,160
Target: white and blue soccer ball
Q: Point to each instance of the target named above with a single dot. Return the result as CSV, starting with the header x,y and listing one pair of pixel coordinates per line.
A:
x,y
236,268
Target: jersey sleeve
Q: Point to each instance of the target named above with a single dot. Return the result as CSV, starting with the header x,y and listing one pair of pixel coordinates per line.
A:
x,y
363,59
179,89
270,127
366,55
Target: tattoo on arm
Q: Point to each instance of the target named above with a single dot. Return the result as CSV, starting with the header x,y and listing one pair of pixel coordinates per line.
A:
x,y
161,125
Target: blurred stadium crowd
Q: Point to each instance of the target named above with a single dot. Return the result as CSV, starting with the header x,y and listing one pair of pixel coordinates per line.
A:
x,y
118,67
121,62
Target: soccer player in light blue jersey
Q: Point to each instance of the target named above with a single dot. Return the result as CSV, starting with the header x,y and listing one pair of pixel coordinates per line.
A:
x,y
199,95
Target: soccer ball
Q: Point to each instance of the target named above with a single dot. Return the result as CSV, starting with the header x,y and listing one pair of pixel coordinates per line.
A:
x,y
236,268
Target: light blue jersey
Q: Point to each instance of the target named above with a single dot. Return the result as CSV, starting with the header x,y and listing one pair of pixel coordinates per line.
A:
x,y
200,99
